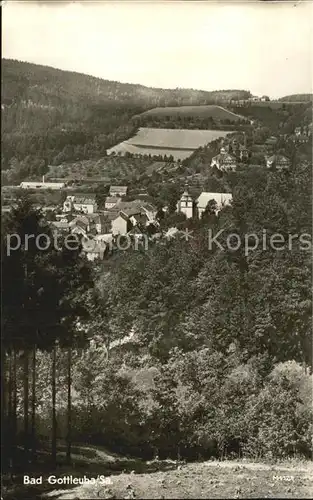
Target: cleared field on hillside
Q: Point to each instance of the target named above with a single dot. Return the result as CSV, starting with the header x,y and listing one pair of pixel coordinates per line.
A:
x,y
213,111
180,143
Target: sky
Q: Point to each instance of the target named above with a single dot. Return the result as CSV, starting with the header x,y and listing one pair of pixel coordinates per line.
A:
x,y
263,47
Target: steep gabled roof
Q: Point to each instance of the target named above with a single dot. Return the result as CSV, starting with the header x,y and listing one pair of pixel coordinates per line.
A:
x,y
60,225
123,215
118,189
80,219
85,199
278,159
224,158
112,199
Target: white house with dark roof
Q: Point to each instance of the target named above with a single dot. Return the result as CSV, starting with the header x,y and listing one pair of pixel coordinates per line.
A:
x,y
278,162
121,225
85,203
118,190
60,227
111,201
224,161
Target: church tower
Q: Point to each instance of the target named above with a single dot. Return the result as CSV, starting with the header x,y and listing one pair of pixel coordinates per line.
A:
x,y
185,204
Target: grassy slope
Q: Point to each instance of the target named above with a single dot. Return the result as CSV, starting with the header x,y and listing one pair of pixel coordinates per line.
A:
x,y
228,479
217,112
206,480
131,478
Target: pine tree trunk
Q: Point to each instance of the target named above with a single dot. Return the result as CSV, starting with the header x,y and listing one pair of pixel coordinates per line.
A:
x,y
5,407
9,409
54,420
3,386
14,408
69,404
33,421
8,405
26,403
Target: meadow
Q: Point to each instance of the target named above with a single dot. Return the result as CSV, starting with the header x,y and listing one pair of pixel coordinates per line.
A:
x,y
213,111
180,143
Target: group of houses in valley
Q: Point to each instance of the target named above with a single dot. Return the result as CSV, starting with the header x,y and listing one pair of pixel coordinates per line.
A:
x,y
80,215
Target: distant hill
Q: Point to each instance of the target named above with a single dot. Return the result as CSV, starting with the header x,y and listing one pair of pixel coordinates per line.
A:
x,y
50,116
49,86
297,98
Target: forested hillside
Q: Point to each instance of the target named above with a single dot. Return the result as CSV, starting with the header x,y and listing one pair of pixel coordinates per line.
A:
x,y
51,116
283,119
297,98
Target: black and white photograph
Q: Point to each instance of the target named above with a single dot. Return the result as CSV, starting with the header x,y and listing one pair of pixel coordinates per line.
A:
x,y
156,249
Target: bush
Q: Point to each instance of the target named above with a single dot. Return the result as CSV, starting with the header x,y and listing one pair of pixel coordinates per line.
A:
x,y
279,417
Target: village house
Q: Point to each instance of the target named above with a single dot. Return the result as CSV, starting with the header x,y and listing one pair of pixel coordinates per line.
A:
x,y
68,217
79,228
140,220
147,210
129,218
300,138
121,225
85,203
98,223
111,201
118,190
278,162
185,204
150,210
221,200
80,225
59,227
224,161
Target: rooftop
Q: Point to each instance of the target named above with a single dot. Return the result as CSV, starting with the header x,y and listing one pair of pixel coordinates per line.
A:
x,y
112,199
118,189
